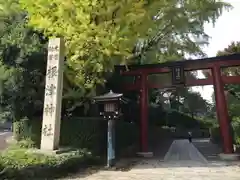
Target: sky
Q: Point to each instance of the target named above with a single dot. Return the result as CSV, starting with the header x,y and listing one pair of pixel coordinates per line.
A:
x,y
226,30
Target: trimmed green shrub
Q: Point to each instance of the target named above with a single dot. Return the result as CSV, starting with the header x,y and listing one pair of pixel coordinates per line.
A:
x,y
216,135
22,164
84,133
26,143
236,130
179,119
127,134
20,129
159,117
89,133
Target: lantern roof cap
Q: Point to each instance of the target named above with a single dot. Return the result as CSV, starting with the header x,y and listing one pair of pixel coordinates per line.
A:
x,y
110,96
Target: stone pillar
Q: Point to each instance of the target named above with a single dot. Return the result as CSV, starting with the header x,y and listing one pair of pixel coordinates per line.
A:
x,y
222,111
53,95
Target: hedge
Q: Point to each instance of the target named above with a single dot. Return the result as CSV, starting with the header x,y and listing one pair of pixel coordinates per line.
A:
x,y
24,164
89,133
216,134
159,117
77,133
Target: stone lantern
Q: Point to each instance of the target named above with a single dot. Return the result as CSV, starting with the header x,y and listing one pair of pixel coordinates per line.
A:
x,y
111,102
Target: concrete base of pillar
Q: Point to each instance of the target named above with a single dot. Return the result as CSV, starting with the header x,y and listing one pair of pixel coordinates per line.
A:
x,y
145,154
229,157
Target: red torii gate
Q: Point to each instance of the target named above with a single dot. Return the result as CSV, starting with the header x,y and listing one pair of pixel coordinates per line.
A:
x,y
218,80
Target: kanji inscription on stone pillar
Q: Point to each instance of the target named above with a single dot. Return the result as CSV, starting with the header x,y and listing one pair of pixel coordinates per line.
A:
x,y
53,95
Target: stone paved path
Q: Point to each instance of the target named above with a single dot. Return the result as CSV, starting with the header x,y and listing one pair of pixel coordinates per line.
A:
x,y
183,150
182,162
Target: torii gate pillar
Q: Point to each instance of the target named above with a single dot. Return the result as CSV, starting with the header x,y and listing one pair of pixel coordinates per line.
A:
x,y
144,117
222,111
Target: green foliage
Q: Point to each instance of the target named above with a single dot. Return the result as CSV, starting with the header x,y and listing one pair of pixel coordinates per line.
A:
x,y
183,100
99,34
194,103
233,48
173,118
22,64
26,143
20,129
236,129
23,164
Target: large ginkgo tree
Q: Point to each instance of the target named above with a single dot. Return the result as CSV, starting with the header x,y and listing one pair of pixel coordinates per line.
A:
x,y
101,33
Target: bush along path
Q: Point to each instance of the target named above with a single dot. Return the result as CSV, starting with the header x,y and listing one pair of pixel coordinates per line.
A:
x,y
20,163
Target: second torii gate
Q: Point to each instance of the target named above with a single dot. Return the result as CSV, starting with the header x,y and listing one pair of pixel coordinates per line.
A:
x,y
178,70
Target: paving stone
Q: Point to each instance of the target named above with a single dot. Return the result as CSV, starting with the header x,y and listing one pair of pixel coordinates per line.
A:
x,y
182,162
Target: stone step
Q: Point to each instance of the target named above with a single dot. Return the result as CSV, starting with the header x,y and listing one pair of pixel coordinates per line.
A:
x,y
209,150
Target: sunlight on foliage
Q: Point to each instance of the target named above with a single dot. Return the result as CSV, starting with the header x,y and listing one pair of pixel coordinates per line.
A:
x,y
99,34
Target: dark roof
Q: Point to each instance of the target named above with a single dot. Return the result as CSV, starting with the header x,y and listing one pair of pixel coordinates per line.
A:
x,y
110,96
184,61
